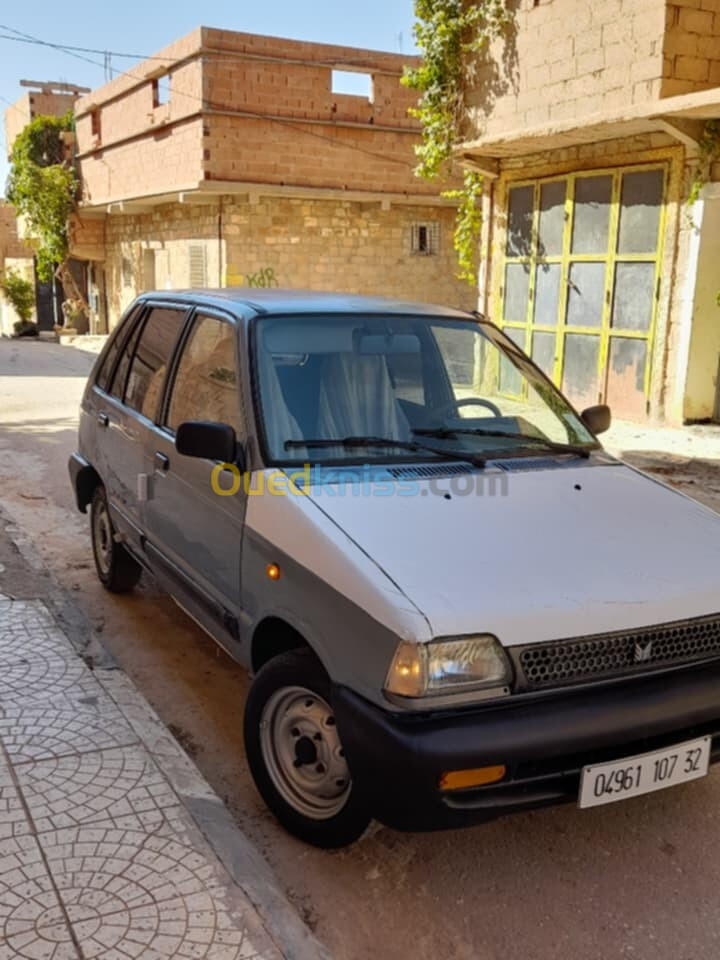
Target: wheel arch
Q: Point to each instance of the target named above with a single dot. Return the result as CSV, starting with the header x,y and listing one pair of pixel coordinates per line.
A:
x,y
86,480
273,636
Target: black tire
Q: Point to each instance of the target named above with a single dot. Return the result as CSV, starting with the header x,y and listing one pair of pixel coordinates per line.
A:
x,y
336,821
117,571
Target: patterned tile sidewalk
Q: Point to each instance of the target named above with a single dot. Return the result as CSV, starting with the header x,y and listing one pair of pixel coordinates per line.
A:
x,y
99,855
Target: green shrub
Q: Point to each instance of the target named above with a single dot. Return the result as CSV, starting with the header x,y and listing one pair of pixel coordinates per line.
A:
x,y
20,292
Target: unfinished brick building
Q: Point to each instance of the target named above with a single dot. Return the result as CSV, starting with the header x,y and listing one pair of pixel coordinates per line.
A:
x,y
232,159
588,120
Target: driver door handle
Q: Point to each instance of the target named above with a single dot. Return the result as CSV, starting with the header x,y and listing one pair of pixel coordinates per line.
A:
x,y
162,462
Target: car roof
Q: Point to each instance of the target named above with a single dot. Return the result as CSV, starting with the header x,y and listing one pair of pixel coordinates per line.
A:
x,y
276,301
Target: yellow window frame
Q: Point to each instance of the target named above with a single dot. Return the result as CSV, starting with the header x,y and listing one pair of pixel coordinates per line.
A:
x,y
611,257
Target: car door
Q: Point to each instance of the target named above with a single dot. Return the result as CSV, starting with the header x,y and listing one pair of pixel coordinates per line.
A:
x,y
194,532
125,411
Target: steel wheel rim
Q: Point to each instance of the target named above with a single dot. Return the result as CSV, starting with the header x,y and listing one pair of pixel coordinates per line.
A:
x,y
303,753
102,539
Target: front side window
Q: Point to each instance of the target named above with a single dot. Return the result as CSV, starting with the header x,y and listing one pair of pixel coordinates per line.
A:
x,y
152,355
373,381
205,385
104,376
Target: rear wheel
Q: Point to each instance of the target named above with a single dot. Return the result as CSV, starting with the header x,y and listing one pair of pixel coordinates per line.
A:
x,y
117,570
296,755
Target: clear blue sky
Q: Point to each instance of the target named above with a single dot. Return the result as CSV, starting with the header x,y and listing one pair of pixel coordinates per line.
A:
x,y
144,26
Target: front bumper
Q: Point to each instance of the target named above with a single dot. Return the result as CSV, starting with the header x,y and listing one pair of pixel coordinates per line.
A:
x,y
544,740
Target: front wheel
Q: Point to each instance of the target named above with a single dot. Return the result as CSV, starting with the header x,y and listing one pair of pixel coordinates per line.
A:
x,y
296,756
116,569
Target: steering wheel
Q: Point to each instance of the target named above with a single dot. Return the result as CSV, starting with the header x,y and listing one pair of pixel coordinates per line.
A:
x,y
468,401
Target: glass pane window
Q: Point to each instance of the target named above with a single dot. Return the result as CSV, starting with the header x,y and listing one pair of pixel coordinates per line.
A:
x,y
149,365
458,349
517,291
552,219
205,386
543,352
520,218
547,294
580,369
118,336
633,296
510,380
117,388
640,203
586,294
592,214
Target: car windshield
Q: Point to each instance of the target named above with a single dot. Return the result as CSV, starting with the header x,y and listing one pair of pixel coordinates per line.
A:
x,y
376,388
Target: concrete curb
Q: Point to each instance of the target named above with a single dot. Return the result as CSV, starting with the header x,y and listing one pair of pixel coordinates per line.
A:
x,y
241,859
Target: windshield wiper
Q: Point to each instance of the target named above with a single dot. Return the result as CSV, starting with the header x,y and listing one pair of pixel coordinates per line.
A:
x,y
449,432
412,446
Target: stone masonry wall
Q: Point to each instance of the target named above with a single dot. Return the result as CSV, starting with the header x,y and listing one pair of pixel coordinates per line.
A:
x,y
288,242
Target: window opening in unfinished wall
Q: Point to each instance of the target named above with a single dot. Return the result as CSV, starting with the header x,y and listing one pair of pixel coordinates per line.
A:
x,y
426,238
161,90
352,83
96,125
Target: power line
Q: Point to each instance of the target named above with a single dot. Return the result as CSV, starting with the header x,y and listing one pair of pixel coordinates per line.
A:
x,y
21,37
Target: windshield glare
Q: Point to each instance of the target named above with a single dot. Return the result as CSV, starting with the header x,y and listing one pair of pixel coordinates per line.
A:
x,y
402,378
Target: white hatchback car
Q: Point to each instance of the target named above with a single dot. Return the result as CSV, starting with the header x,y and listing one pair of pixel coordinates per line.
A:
x,y
456,604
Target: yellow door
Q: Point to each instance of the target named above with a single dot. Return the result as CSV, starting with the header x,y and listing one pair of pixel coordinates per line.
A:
x,y
581,281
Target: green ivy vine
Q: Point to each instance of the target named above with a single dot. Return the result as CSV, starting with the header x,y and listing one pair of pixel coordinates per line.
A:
x,y
709,150
42,187
448,33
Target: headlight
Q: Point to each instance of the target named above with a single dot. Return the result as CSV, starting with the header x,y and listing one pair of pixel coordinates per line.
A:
x,y
447,666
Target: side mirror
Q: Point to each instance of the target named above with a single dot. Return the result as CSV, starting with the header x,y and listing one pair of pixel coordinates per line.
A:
x,y
208,441
597,419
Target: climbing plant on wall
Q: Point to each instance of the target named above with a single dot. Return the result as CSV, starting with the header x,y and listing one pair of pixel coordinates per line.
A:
x,y
449,34
42,187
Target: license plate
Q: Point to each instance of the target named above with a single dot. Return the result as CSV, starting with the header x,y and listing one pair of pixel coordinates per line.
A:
x,y
608,782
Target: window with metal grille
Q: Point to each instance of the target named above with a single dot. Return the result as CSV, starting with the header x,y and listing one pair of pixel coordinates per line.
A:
x,y
426,238
198,266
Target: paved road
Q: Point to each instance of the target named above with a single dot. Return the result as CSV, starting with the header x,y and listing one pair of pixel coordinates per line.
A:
x,y
637,880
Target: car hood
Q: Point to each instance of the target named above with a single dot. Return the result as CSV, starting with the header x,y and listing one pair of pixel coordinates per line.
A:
x,y
560,552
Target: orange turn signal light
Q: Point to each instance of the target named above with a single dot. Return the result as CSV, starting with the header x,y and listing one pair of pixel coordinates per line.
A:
x,y
273,571
463,779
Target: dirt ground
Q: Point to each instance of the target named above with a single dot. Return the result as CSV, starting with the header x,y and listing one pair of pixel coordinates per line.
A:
x,y
639,879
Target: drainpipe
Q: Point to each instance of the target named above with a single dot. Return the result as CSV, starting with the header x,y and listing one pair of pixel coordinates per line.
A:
x,y
220,242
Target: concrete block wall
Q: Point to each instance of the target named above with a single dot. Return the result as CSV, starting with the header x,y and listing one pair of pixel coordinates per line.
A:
x,y
318,244
692,47
10,243
311,155
567,59
87,237
165,161
269,115
32,105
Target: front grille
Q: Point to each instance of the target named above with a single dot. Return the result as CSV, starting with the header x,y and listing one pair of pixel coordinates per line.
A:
x,y
604,656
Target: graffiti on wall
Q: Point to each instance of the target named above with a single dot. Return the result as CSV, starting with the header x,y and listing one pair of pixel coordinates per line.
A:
x,y
265,278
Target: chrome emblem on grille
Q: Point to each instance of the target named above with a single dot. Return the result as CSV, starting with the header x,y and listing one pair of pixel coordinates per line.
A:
x,y
643,652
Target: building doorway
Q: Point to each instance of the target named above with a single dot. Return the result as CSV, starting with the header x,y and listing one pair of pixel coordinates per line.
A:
x,y
581,281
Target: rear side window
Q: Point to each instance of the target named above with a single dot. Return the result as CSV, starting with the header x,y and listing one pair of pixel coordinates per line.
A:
x,y
206,381
150,360
108,363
